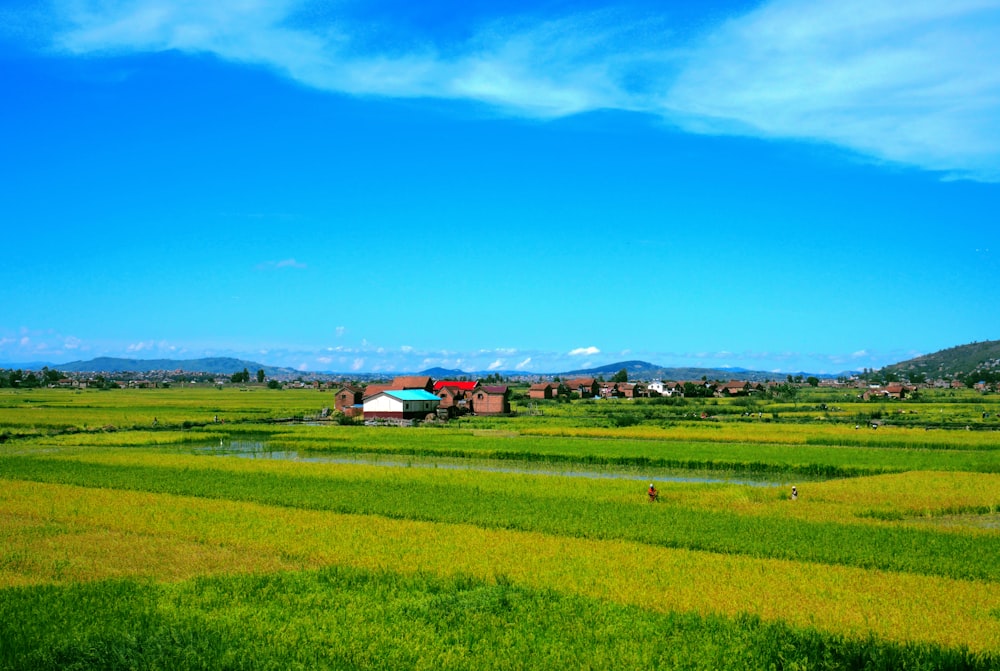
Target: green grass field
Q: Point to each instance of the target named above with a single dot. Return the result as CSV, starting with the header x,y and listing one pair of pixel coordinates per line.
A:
x,y
490,543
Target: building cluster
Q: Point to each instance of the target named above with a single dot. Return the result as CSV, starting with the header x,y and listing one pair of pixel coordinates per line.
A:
x,y
593,388
588,387
419,397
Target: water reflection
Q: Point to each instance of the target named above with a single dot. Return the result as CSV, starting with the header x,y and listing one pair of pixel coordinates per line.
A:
x,y
251,449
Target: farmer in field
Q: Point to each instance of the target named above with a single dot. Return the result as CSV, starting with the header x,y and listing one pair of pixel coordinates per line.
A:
x,y
652,493
795,494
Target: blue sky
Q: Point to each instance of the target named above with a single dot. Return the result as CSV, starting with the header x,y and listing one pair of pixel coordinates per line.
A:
x,y
347,186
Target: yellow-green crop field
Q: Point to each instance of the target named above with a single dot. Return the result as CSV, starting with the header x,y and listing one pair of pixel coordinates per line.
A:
x,y
490,542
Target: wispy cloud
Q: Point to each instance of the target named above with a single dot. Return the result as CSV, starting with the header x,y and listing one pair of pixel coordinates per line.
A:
x,y
290,263
278,265
912,83
584,351
161,347
541,68
140,346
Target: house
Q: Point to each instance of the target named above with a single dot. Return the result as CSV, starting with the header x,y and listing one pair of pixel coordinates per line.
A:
x,y
663,388
543,390
609,390
464,386
585,387
491,400
401,404
454,394
896,390
452,398
632,389
373,389
734,388
413,382
347,397
622,390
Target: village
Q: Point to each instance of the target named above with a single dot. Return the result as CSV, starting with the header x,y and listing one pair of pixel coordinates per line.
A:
x,y
412,398
419,397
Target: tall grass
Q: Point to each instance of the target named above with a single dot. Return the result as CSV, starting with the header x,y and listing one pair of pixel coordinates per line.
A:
x,y
123,545
537,504
132,534
342,618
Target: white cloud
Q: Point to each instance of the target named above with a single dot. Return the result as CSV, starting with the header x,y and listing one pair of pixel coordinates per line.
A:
x,y
907,82
358,364
524,364
912,82
584,351
496,364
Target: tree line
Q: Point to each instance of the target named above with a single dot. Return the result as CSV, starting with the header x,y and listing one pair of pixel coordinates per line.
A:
x,y
18,378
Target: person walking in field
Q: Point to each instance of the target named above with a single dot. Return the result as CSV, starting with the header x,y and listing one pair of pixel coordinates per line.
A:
x,y
795,494
652,493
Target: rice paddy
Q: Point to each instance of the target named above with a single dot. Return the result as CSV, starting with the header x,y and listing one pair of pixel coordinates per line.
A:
x,y
140,548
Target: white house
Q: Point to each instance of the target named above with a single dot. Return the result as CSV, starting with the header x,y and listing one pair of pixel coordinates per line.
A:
x,y
662,389
401,404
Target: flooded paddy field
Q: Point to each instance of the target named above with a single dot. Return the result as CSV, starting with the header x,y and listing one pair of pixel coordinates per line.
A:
x,y
249,449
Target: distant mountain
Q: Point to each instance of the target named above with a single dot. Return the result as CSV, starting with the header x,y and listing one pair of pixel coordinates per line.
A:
x,y
446,373
953,362
31,365
643,370
634,368
216,365
637,370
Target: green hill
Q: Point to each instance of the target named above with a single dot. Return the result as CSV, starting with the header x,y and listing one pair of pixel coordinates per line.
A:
x,y
978,358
